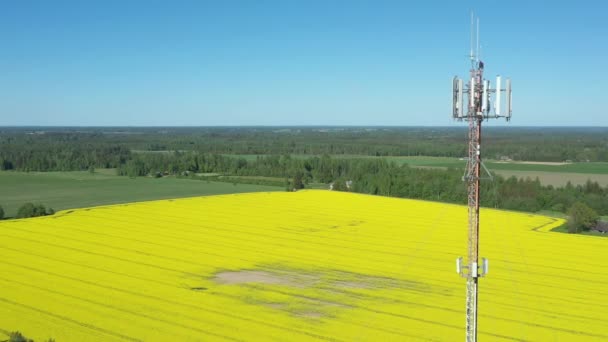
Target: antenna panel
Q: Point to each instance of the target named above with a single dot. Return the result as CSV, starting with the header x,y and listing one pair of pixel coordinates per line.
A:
x,y
498,96
460,98
484,96
508,99
456,104
472,94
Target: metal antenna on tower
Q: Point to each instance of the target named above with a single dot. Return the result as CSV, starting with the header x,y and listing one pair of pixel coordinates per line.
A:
x,y
478,100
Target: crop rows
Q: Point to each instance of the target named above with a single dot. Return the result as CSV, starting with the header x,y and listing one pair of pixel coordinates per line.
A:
x,y
294,266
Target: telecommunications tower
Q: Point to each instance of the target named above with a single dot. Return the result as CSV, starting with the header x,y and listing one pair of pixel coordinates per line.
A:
x,y
478,102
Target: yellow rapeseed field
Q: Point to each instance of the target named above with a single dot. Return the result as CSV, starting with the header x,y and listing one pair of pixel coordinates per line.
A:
x,y
295,266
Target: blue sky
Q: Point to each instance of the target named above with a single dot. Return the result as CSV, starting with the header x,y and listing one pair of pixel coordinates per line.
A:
x,y
294,62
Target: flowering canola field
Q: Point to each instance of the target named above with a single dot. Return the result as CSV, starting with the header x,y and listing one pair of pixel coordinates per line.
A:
x,y
310,265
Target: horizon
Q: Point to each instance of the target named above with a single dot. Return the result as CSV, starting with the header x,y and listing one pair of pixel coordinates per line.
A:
x,y
301,126
277,64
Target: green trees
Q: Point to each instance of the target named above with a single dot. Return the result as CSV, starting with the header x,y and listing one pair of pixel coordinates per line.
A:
x,y
379,177
297,181
305,155
33,210
1,213
581,218
63,149
16,336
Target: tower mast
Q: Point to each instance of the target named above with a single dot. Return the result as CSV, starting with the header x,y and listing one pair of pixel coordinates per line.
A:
x,y
478,97
472,178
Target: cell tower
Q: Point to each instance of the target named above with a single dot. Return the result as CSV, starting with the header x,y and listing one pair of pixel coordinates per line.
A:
x,y
479,99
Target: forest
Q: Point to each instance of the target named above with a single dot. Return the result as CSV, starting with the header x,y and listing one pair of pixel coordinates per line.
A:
x,y
213,153
75,148
377,177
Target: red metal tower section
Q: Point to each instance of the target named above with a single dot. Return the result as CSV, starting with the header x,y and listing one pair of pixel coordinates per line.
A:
x,y
472,177
478,95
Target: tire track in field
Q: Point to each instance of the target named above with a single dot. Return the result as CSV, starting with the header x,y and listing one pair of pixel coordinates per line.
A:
x,y
218,255
111,307
365,309
71,320
234,246
399,333
248,232
365,296
182,242
182,272
170,313
126,275
238,298
232,237
221,313
285,234
347,216
160,219
237,247
380,312
130,214
393,314
346,292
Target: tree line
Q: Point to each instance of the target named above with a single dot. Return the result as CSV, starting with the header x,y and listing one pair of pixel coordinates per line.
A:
x,y
372,176
67,149
378,177
135,152
30,210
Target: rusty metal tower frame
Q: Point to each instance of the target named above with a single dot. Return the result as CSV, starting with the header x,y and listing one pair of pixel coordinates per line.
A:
x,y
479,96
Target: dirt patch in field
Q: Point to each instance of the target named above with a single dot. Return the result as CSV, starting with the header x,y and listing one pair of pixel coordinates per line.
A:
x,y
347,280
311,294
277,306
311,314
353,285
328,280
262,277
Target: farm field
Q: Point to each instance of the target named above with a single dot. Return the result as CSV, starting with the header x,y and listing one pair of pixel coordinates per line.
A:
x,y
591,167
294,266
77,189
556,174
556,178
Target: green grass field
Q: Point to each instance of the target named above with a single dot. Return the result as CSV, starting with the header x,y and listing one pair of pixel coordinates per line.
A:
x,y
77,189
587,168
556,175
557,178
548,174
590,168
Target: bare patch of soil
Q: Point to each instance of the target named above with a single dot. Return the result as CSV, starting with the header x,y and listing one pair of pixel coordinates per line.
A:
x,y
311,314
353,285
263,277
277,306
